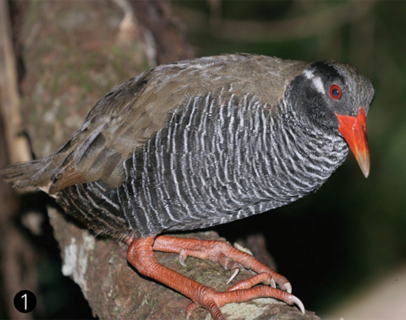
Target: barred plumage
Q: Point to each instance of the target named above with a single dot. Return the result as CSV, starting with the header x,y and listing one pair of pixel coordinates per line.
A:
x,y
199,143
212,164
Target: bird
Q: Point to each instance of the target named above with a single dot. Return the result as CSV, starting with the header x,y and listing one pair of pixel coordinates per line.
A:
x,y
202,142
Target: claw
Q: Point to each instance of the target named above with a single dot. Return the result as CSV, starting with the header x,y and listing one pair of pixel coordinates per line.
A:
x,y
182,261
236,271
297,302
243,249
288,287
182,257
273,284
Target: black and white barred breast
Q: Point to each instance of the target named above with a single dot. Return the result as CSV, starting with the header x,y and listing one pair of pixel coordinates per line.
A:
x,y
219,158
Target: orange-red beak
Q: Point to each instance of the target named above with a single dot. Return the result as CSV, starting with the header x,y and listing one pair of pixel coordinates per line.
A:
x,y
354,131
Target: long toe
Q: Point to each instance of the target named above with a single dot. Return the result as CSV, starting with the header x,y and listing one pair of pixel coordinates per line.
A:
x,y
213,300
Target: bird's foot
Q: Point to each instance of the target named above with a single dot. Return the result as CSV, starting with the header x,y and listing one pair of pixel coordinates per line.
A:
x,y
223,253
140,254
213,300
244,290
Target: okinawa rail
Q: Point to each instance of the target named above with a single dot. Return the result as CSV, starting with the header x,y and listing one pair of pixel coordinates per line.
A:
x,y
203,142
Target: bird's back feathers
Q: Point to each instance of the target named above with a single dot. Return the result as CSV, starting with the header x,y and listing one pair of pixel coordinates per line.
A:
x,y
135,111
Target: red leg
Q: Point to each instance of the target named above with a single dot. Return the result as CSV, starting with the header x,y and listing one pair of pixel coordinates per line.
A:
x,y
218,251
140,254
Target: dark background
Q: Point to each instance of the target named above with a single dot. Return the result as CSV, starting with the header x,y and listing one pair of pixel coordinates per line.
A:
x,y
351,233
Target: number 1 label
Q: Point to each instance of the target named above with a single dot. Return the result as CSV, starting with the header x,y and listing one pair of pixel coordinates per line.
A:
x,y
25,301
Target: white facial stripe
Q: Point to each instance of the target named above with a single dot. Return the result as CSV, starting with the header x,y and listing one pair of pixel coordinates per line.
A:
x,y
308,74
318,84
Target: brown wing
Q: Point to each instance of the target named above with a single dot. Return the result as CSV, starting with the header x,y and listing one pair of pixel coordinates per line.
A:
x,y
130,115
118,124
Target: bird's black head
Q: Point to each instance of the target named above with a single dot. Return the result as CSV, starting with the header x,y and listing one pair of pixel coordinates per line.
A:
x,y
335,98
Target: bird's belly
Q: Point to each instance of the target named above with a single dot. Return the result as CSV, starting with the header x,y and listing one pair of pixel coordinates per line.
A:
x,y
187,202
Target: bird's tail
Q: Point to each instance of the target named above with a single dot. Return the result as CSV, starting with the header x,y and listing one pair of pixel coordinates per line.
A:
x,y
29,175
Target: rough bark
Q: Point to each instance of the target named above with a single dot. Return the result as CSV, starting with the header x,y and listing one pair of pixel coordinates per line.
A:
x,y
155,16
18,257
77,51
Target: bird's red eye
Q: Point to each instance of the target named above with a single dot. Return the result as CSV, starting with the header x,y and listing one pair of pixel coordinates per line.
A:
x,y
335,92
